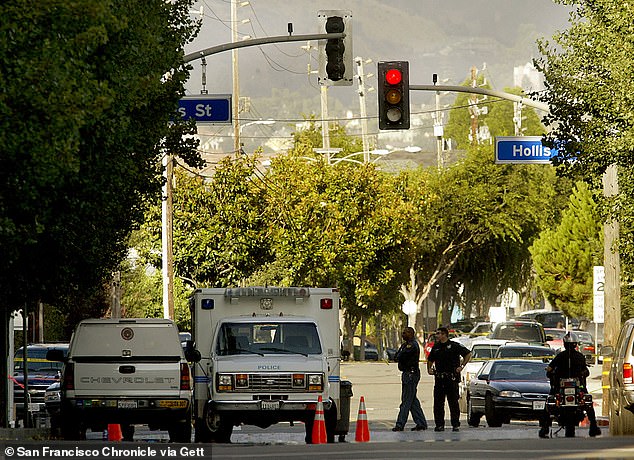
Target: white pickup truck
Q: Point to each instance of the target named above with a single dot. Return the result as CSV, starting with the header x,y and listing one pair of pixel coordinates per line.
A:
x,y
125,371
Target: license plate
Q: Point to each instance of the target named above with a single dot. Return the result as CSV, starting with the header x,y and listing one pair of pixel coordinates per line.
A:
x,y
126,404
270,405
34,407
178,403
539,405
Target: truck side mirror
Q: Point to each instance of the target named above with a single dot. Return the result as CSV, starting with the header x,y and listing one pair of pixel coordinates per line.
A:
x,y
191,354
55,355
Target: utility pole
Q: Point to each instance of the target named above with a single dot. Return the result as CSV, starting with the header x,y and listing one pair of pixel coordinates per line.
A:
x,y
612,288
473,107
115,307
166,237
438,127
325,134
362,110
236,83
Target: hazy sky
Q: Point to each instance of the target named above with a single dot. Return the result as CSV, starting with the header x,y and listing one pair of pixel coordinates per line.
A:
x,y
446,37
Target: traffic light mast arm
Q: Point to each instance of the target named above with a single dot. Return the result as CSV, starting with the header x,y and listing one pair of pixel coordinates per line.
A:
x,y
487,92
258,41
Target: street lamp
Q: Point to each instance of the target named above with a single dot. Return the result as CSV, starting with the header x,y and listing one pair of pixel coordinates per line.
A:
x,y
251,123
256,122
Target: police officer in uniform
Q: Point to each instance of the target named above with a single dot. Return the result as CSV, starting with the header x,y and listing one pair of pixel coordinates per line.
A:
x,y
408,356
444,363
569,363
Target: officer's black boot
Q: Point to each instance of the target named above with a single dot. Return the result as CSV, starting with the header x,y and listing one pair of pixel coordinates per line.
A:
x,y
543,432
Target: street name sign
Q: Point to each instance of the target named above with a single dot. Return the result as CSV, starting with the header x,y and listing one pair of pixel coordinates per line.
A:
x,y
522,150
206,108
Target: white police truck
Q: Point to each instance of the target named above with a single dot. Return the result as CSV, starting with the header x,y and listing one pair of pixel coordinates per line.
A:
x,y
266,355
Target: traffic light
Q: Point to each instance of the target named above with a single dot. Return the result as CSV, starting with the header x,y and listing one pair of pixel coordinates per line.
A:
x,y
335,55
393,95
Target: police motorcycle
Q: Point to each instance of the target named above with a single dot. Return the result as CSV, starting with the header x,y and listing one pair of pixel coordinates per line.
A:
x,y
569,403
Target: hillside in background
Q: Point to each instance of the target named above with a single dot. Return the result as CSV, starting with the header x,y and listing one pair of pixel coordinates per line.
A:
x,y
444,37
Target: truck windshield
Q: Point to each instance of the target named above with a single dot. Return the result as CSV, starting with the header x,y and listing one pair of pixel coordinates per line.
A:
x,y
269,337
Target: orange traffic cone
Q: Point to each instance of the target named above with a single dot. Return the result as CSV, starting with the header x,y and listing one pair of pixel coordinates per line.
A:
x,y
114,432
319,425
362,433
585,422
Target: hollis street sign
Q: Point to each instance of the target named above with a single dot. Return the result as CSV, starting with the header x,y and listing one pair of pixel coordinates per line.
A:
x,y
522,150
212,108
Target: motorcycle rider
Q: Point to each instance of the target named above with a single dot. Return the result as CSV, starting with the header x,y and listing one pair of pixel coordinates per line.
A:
x,y
569,363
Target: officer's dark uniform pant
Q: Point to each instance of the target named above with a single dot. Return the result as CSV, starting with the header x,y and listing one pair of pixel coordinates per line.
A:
x,y
446,387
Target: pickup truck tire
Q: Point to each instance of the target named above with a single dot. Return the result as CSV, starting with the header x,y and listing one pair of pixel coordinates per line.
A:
x,y
181,431
72,431
127,432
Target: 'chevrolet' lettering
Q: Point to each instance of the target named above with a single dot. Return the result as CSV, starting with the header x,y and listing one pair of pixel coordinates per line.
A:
x,y
127,380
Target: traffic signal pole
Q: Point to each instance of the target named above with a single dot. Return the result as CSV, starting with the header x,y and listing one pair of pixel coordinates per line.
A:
x,y
488,92
258,41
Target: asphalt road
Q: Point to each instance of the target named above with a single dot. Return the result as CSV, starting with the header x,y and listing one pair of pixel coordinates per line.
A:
x,y
379,383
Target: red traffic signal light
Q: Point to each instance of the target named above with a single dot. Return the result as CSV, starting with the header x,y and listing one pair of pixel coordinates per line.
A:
x,y
393,95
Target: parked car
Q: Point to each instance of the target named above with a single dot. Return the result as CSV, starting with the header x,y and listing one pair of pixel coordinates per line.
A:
x,y
52,399
41,374
482,328
508,389
621,407
371,351
431,340
555,338
550,319
520,331
586,345
525,351
482,350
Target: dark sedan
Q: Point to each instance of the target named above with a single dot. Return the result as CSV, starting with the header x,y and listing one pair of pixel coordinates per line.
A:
x,y
507,389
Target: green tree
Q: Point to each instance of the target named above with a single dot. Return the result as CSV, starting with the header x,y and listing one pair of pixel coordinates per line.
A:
x,y
563,257
221,226
588,75
88,90
477,220
142,296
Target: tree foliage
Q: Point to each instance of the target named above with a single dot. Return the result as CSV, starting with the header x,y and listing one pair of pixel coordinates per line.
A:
x,y
88,89
563,257
589,87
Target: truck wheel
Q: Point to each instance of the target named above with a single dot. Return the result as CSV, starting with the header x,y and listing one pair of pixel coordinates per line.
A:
x,y
72,431
219,428
201,432
127,432
570,430
181,431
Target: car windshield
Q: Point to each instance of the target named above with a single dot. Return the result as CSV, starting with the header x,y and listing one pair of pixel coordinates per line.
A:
x,y
484,351
36,361
525,371
556,333
269,337
524,352
519,332
584,337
